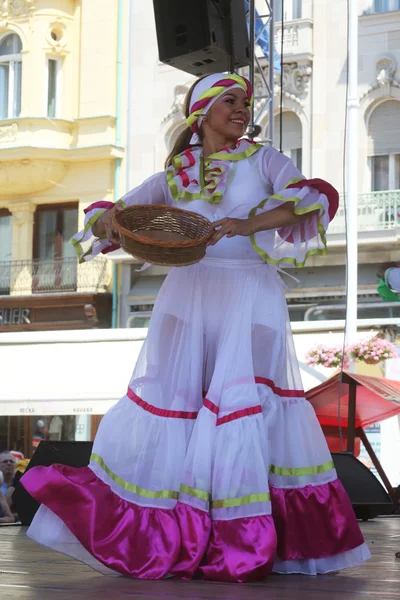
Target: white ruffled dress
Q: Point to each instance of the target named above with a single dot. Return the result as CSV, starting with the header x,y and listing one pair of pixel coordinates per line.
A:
x,y
213,464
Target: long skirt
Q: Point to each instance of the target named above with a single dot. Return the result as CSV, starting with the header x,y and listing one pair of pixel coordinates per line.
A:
x,y
213,464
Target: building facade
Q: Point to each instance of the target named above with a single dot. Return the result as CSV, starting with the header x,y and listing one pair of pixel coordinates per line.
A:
x,y
62,124
313,126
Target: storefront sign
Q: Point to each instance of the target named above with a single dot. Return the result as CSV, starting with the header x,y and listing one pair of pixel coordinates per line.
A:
x,y
15,316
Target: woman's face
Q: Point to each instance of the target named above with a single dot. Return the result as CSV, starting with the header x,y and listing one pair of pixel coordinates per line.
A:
x,y
229,116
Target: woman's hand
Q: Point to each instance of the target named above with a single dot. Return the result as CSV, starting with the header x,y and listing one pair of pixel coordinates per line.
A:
x,y
104,226
231,227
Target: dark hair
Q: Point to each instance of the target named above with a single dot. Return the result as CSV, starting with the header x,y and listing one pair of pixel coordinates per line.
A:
x,y
183,141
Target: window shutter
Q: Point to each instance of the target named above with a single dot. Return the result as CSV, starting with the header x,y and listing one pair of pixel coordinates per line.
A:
x,y
384,129
291,131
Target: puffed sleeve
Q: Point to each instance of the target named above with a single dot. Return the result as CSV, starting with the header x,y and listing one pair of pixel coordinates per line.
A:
x,y
152,191
291,246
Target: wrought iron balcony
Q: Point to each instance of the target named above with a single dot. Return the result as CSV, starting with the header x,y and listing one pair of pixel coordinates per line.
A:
x,y
24,277
377,211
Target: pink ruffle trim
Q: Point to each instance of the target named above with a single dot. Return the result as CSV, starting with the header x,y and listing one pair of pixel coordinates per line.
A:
x,y
152,543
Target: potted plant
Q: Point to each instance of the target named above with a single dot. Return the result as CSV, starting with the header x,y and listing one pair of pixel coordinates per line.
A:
x,y
329,357
373,350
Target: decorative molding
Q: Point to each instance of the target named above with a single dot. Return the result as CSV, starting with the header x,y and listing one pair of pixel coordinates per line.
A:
x,y
56,36
385,70
17,8
8,133
180,92
26,176
296,83
23,213
296,79
385,77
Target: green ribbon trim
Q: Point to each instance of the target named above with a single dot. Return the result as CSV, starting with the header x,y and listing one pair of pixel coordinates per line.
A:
x,y
139,491
214,198
77,243
294,180
231,502
297,211
131,487
234,157
185,489
293,472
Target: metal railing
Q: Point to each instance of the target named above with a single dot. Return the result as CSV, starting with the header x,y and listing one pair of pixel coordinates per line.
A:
x,y
24,277
377,211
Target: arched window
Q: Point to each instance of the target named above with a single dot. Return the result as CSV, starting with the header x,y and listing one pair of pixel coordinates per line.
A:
x,y
10,76
384,146
292,137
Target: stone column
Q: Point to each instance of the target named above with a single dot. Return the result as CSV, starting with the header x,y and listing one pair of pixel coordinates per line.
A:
x,y
22,247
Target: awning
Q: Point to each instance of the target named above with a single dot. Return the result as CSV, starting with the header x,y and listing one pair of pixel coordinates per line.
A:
x,y
377,399
66,373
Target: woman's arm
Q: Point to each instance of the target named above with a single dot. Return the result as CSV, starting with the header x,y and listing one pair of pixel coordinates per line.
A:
x,y
281,216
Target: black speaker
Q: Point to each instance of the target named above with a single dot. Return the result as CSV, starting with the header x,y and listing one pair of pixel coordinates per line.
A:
x,y
194,35
368,496
73,454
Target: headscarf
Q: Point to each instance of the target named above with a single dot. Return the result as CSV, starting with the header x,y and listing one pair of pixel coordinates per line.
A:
x,y
206,92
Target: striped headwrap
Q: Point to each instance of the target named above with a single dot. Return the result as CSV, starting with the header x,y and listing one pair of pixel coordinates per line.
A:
x,y
207,91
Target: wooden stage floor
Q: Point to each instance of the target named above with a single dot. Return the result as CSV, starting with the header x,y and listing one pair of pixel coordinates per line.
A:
x,y
28,571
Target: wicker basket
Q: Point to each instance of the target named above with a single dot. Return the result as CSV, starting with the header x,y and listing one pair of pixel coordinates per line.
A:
x,y
163,235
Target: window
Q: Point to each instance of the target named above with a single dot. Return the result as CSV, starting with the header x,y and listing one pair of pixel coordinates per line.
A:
x,y
55,267
382,6
5,251
384,146
10,77
53,87
292,137
140,316
291,10
385,172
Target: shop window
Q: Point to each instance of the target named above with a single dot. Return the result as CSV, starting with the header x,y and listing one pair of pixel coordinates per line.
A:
x,y
55,267
10,77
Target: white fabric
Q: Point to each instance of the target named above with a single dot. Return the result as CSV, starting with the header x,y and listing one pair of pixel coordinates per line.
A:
x,y
216,327
320,566
393,279
50,531
250,181
202,86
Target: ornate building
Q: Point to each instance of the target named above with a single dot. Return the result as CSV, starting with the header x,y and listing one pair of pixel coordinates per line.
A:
x,y
313,102
61,111
58,153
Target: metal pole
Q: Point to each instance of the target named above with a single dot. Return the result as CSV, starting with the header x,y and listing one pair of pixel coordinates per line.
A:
x,y
252,40
271,72
352,175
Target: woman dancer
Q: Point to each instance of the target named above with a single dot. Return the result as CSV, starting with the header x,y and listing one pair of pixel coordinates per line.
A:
x,y
216,465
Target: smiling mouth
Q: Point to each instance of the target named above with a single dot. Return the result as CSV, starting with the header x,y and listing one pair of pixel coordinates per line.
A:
x,y
237,121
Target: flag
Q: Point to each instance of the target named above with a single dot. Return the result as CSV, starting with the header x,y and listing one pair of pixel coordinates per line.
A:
x,y
262,37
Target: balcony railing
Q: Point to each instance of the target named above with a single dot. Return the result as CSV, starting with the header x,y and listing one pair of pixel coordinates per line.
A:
x,y
377,211
24,277
297,37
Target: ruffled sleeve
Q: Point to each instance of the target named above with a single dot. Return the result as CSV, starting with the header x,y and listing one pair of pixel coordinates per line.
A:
x,y
291,246
152,191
